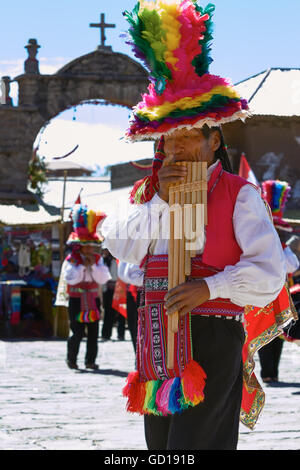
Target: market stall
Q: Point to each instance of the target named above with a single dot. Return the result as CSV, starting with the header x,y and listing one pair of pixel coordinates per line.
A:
x,y
31,238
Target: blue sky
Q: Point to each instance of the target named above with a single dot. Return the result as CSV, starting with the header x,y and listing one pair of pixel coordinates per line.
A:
x,y
249,37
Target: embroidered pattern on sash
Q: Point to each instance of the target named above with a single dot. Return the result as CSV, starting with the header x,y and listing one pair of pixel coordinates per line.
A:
x,y
156,284
152,344
158,341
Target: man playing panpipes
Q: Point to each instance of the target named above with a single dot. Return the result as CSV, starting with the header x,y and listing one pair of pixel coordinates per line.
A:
x,y
238,261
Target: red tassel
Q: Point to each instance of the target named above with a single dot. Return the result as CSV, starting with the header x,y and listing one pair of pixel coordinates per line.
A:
x,y
136,186
193,383
135,391
146,189
148,186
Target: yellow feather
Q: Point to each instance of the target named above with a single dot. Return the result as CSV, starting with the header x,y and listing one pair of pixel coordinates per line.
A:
x,y
168,10
158,112
171,26
90,220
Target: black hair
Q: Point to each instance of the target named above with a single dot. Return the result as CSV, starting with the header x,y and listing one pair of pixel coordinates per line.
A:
x,y
221,153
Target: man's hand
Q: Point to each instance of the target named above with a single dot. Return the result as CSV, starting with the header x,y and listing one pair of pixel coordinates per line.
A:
x,y
89,260
170,174
185,297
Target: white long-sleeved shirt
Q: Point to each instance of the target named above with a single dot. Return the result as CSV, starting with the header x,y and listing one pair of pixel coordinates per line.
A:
x,y
292,262
256,279
97,272
130,273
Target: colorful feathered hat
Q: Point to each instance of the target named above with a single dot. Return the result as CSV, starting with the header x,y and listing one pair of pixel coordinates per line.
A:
x,y
276,194
172,38
85,222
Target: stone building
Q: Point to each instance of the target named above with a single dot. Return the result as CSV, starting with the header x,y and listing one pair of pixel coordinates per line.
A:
x,y
58,169
99,75
271,138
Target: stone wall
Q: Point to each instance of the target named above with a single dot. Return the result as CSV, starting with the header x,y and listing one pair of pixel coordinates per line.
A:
x,y
18,129
100,75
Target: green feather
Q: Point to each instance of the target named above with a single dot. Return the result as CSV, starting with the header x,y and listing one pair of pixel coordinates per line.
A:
x,y
202,61
147,35
136,33
153,32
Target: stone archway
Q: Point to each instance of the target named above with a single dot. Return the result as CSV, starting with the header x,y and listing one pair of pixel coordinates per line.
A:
x,y
99,75
106,75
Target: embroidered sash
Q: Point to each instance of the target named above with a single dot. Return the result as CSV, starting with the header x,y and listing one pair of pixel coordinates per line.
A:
x,y
87,292
155,389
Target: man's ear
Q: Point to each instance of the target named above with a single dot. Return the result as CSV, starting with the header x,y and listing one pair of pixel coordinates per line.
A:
x,y
215,140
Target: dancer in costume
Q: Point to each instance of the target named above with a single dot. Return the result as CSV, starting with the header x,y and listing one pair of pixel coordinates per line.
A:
x,y
239,258
276,193
84,272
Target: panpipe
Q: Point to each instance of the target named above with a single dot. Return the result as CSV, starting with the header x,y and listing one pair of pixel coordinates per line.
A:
x,y
188,217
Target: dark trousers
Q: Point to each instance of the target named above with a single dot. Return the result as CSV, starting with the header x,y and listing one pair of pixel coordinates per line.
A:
x,y
269,357
78,329
214,423
110,316
132,316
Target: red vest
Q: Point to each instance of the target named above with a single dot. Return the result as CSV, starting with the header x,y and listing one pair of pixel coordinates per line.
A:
x,y
221,248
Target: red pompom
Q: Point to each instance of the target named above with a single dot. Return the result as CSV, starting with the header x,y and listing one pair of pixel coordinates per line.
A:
x,y
193,383
135,391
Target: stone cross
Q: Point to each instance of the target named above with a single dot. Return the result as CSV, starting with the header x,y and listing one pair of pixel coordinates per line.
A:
x,y
102,26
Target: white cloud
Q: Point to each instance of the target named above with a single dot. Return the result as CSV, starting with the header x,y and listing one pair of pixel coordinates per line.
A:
x,y
98,144
12,68
47,65
15,67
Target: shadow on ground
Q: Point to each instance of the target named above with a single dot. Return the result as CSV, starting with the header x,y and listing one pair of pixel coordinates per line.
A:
x,y
283,385
117,373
